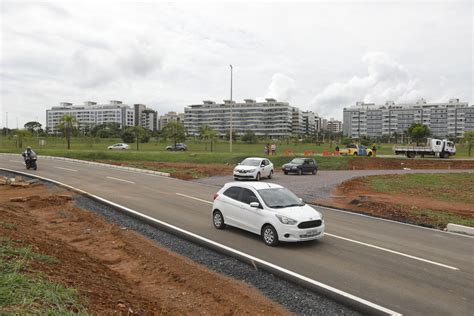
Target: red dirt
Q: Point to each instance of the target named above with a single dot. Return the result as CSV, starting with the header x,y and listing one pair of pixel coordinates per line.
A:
x,y
357,196
117,270
396,163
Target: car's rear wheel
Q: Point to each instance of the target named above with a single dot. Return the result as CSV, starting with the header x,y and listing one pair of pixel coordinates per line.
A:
x,y
182,149
218,220
257,177
314,171
285,172
269,236
300,172
270,175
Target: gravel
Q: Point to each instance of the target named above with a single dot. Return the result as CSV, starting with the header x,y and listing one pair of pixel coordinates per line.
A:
x,y
295,298
311,188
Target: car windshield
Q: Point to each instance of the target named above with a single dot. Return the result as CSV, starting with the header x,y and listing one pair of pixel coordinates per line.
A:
x,y
279,198
251,162
297,161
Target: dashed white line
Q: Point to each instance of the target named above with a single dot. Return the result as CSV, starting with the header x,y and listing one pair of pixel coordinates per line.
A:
x,y
67,169
357,242
393,251
122,180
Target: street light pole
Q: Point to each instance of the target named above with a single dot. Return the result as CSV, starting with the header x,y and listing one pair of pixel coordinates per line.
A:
x,y
230,132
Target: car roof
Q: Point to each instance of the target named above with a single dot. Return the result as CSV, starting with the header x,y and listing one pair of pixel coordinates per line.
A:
x,y
255,158
254,184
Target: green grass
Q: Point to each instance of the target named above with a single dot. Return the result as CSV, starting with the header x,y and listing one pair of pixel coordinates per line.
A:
x,y
24,291
451,187
441,219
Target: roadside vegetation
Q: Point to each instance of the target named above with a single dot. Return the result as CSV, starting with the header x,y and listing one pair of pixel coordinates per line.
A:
x,y
431,200
24,290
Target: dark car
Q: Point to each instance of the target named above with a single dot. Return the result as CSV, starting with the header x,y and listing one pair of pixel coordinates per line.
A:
x,y
177,147
300,166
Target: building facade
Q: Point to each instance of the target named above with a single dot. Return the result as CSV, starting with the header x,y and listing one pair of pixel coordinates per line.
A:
x,y
92,114
271,118
333,126
311,123
170,117
445,119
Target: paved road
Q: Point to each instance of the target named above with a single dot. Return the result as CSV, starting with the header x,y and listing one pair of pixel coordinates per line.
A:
x,y
407,269
311,188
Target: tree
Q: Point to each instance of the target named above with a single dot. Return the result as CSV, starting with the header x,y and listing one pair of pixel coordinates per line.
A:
x,y
137,131
469,138
211,135
21,134
419,132
67,124
33,126
128,136
249,137
174,131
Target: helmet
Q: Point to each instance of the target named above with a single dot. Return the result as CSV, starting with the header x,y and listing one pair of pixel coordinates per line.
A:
x,y
28,148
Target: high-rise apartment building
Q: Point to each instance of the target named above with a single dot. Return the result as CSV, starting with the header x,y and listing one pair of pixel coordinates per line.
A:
x,y
92,114
445,119
311,123
270,118
170,117
333,126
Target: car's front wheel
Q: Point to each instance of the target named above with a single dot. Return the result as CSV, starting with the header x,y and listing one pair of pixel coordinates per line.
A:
x,y
257,177
270,236
218,220
314,171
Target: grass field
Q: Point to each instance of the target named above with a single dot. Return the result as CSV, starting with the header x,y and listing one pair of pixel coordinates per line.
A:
x,y
24,291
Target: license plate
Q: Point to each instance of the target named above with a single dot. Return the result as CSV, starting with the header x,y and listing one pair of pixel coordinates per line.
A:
x,y
309,234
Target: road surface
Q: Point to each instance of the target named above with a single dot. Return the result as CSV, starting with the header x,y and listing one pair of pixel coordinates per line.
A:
x,y
408,269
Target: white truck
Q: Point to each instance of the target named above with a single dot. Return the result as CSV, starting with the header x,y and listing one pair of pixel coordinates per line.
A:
x,y
434,147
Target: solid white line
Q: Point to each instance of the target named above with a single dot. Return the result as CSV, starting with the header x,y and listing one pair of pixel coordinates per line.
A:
x,y
229,249
393,251
194,198
358,242
122,180
73,170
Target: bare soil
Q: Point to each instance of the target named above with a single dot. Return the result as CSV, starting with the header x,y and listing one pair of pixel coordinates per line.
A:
x,y
398,163
117,270
356,195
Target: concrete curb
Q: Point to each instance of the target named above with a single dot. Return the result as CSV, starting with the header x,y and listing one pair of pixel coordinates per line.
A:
x,y
455,228
158,173
359,304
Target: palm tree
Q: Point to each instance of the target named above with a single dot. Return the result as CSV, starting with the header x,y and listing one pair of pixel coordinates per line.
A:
x,y
22,134
138,131
67,123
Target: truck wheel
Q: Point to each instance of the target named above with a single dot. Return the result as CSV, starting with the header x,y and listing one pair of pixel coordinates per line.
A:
x,y
355,154
411,155
370,155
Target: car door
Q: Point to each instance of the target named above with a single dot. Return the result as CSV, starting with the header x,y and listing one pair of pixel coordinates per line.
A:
x,y
249,217
306,166
231,205
268,167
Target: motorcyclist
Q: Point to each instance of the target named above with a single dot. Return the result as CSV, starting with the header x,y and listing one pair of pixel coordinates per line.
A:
x,y
29,154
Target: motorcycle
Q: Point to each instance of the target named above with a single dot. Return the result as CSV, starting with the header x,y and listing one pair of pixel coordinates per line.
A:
x,y
30,161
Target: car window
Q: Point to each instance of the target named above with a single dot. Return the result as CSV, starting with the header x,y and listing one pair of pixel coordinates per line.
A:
x,y
297,161
279,198
232,192
251,162
311,162
247,196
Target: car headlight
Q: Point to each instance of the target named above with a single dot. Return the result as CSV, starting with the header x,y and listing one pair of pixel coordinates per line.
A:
x,y
294,167
286,220
251,170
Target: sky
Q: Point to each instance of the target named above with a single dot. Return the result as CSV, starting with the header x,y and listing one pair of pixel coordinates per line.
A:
x,y
319,56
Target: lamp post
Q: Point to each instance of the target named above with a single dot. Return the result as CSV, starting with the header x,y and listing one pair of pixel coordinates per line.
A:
x,y
230,132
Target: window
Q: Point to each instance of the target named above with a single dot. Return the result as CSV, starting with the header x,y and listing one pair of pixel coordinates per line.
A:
x,y
232,192
247,196
438,142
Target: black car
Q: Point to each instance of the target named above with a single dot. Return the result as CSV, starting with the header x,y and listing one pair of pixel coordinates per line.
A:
x,y
300,166
177,147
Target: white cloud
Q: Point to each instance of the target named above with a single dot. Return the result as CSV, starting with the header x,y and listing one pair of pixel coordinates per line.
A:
x,y
385,80
281,88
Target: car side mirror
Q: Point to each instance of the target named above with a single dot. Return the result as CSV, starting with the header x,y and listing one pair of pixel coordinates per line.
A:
x,y
301,200
238,164
254,204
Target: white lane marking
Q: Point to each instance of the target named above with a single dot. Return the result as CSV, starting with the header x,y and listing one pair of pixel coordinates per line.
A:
x,y
17,161
122,180
392,251
194,198
73,170
359,242
226,248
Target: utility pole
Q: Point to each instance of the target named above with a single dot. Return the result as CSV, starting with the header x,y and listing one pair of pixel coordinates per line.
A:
x,y
230,132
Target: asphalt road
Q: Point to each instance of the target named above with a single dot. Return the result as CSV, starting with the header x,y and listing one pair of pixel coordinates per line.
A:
x,y
407,269
313,187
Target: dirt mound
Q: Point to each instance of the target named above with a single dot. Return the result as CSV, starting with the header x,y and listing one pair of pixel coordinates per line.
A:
x,y
394,163
117,270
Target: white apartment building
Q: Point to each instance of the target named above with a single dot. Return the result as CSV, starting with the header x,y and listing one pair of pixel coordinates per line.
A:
x,y
311,123
270,118
445,119
333,126
170,117
91,114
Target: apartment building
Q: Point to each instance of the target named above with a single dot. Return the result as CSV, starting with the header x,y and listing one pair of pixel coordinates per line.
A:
x,y
445,119
270,118
333,126
311,123
91,114
170,117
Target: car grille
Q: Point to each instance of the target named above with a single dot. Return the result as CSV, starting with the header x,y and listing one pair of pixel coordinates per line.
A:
x,y
241,171
310,224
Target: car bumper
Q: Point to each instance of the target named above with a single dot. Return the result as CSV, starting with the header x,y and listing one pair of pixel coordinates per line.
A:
x,y
244,175
290,170
295,234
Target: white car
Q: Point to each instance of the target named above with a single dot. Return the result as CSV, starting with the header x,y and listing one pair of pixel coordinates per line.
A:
x,y
266,209
254,168
119,146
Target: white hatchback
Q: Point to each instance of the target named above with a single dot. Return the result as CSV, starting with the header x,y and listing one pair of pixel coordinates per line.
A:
x,y
254,169
119,146
266,209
